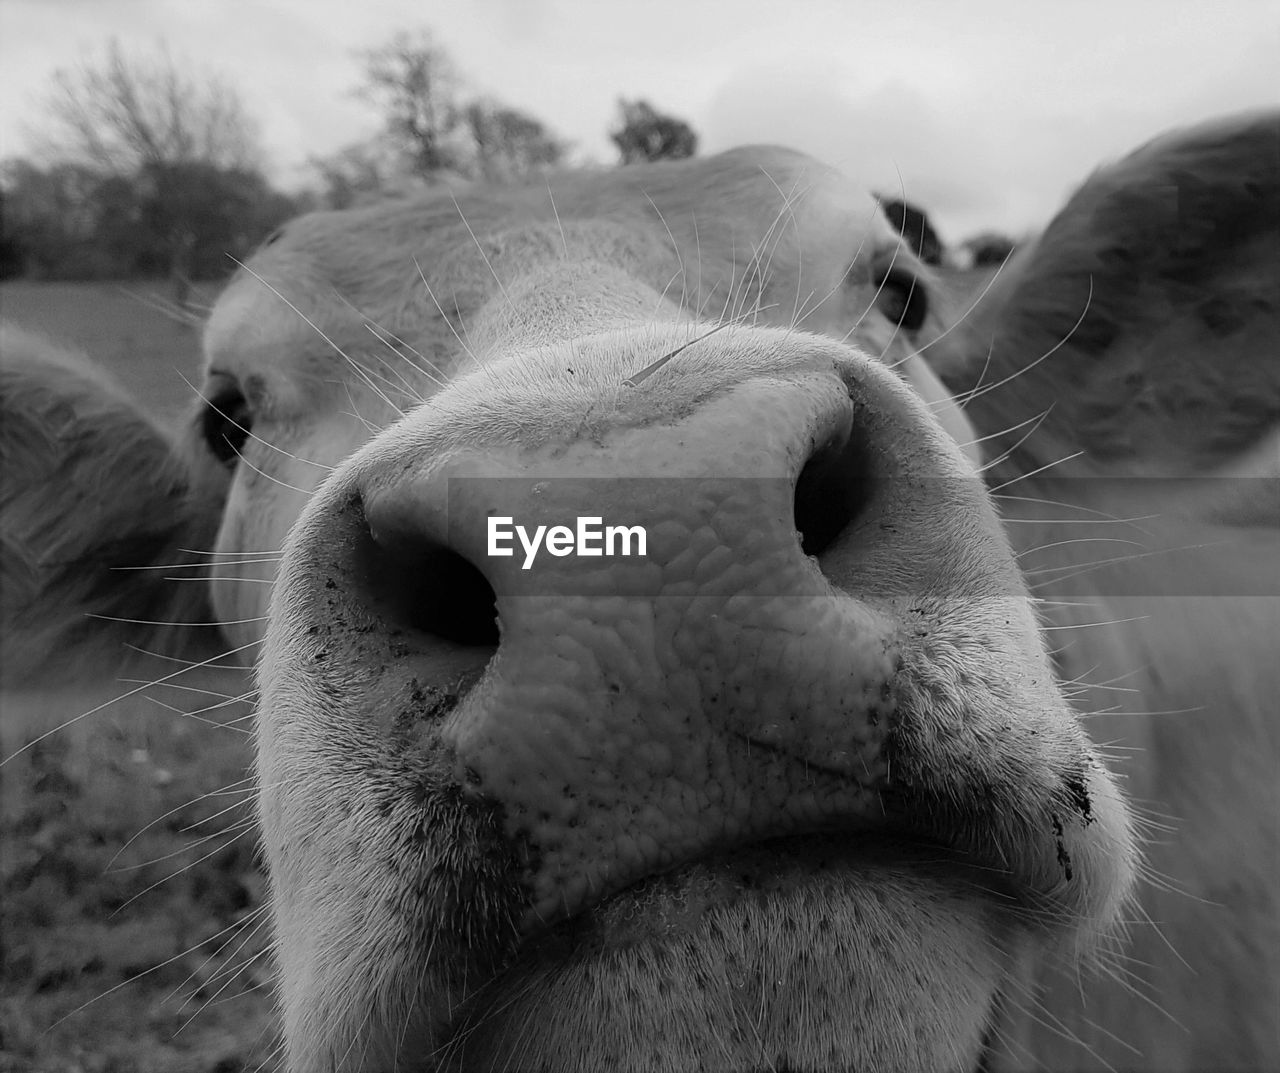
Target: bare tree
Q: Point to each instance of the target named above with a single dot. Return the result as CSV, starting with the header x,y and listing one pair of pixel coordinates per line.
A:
x,y
413,81
433,127
175,136
350,175
369,171
509,144
128,113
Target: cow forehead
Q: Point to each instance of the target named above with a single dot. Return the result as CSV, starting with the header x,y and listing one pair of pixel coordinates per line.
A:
x,y
418,268
581,392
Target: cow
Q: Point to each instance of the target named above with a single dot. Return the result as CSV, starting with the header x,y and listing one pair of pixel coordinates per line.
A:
x,y
921,715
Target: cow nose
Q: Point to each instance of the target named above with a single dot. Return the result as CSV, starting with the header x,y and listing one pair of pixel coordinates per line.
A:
x,y
632,708
635,609
735,504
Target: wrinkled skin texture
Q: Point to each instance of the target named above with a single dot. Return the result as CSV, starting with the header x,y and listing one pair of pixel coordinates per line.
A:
x,y
807,785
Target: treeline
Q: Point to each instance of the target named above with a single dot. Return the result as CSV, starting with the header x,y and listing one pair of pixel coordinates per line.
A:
x,y
149,170
182,219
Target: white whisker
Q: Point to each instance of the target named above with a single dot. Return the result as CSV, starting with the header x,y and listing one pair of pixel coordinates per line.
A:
x,y
977,392
211,661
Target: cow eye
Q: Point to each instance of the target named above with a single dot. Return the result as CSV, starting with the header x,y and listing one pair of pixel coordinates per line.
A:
x,y
902,298
226,421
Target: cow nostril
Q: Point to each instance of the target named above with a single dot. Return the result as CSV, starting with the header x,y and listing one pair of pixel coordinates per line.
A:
x,y
833,489
424,586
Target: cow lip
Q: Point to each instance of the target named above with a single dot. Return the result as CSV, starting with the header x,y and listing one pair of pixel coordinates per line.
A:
x,y
674,908
672,902
901,835
773,863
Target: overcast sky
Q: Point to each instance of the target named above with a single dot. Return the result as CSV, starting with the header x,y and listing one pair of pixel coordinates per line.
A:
x,y
986,111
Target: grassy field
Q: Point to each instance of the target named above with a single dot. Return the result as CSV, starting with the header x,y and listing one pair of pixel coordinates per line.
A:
x,y
131,328
129,889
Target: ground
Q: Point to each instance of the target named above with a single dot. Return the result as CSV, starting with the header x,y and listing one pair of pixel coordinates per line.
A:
x,y
118,905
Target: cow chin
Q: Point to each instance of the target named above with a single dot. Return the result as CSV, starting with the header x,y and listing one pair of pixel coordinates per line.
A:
x,y
817,952
738,961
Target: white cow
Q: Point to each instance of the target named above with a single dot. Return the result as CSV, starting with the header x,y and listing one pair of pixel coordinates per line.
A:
x,y
871,760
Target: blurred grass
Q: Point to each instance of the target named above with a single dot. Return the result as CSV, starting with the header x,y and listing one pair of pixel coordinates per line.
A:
x,y
131,328
125,859
126,862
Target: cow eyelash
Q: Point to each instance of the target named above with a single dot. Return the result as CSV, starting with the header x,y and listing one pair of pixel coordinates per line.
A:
x,y
902,298
226,422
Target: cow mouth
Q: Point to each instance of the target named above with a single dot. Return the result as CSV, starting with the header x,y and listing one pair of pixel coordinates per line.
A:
x,y
1027,847
671,905
747,924
672,902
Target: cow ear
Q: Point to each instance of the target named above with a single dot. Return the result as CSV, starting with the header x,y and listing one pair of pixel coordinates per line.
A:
x,y
1142,329
92,495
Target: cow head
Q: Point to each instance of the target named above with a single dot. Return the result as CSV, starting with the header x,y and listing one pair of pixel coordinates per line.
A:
x,y
789,782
